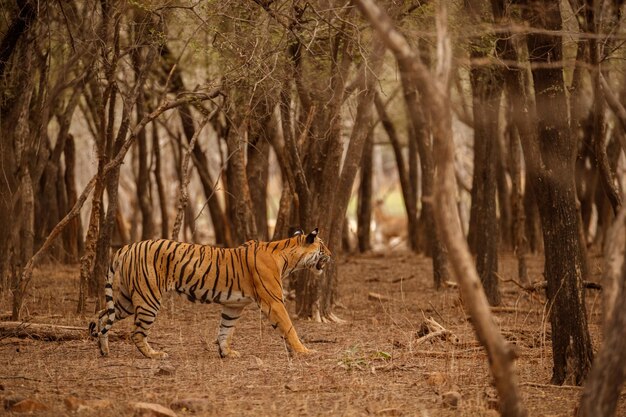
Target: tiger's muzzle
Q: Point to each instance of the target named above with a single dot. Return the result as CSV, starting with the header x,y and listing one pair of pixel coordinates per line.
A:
x,y
321,263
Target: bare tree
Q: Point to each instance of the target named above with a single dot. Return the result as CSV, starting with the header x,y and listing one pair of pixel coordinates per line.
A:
x,y
501,356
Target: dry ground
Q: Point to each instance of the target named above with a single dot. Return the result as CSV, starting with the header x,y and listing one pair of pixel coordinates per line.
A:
x,y
368,366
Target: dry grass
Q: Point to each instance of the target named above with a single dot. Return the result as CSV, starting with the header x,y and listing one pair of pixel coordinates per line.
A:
x,y
368,366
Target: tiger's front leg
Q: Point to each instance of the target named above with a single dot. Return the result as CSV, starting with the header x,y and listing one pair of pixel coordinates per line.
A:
x,y
278,316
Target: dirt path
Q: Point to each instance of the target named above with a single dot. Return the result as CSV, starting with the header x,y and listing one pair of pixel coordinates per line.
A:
x,y
369,366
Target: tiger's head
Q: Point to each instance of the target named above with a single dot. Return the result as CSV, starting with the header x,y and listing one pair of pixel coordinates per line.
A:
x,y
316,254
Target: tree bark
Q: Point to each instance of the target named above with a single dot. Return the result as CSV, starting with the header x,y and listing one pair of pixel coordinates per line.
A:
x,y
520,244
565,265
487,84
71,236
364,208
257,169
158,179
27,13
244,226
602,389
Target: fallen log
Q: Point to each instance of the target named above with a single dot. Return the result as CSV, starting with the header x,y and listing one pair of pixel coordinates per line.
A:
x,y
41,331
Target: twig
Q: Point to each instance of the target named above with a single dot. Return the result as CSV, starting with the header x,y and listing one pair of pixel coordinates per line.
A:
x,y
430,329
440,333
436,312
447,353
377,297
538,385
21,377
396,280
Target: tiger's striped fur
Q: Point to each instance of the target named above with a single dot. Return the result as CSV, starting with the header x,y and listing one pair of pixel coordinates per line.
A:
x,y
232,277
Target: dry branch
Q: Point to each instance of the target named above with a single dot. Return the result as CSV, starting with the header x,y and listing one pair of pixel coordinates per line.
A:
x,y
377,297
42,331
430,329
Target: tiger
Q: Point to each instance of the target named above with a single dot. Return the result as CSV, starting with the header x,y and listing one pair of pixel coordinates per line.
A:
x,y
232,277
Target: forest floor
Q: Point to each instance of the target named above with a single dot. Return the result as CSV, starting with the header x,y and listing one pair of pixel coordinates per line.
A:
x,y
368,366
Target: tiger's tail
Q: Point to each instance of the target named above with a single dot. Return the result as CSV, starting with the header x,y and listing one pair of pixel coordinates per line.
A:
x,y
109,307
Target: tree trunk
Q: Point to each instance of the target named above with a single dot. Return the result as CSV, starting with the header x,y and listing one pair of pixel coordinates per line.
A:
x,y
320,173
424,145
257,170
143,175
487,84
593,16
565,263
603,387
183,208
240,203
520,245
156,149
406,183
504,192
364,207
360,131
27,229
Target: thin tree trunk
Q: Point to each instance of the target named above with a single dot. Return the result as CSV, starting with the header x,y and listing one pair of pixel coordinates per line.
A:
x,y
156,149
599,105
602,389
487,84
143,177
257,170
364,209
408,194
27,232
238,190
424,145
520,245
565,261
183,192
504,194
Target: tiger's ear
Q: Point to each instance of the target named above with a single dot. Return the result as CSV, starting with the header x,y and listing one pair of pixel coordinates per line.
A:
x,y
293,231
310,238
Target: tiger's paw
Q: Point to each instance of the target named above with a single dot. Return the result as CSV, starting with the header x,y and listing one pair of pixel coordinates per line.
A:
x,y
230,353
305,352
158,355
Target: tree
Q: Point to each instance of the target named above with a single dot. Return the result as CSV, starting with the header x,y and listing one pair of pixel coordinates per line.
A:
x,y
565,265
487,85
437,102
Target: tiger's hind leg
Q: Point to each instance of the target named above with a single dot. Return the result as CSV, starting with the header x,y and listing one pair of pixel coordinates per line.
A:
x,y
144,319
123,308
230,316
